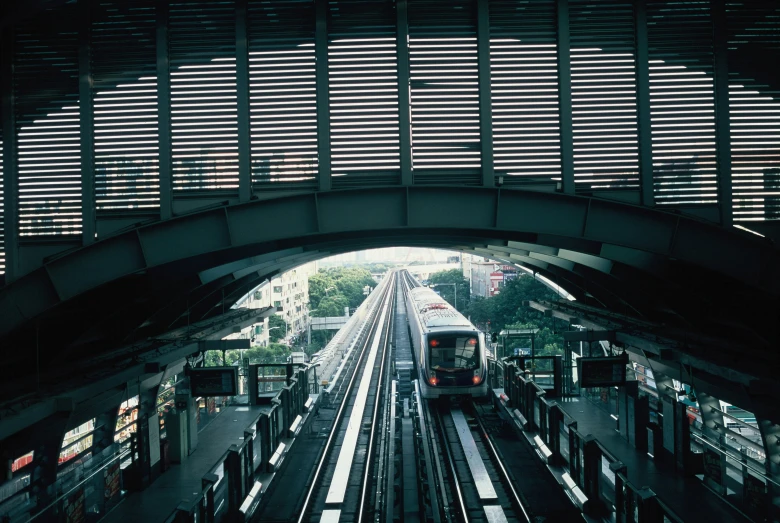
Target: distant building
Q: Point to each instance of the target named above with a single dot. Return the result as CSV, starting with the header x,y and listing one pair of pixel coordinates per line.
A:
x,y
290,295
257,333
486,277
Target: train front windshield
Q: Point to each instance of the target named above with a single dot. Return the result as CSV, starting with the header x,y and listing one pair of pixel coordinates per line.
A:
x,y
450,353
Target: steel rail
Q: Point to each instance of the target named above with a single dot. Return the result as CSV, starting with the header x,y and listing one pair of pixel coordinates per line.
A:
x,y
498,461
383,391
340,413
453,472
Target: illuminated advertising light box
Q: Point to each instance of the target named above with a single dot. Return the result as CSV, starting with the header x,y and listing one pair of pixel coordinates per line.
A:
x,y
214,381
602,372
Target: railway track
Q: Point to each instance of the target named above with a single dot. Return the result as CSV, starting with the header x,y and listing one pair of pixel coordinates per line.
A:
x,y
341,487
474,485
391,456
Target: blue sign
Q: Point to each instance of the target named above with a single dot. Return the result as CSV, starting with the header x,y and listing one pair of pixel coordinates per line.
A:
x,y
522,352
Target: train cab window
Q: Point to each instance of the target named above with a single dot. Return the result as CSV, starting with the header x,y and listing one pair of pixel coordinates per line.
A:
x,y
452,353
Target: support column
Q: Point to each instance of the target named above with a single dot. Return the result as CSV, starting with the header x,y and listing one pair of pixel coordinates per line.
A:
x,y
722,119
10,179
564,99
643,106
164,113
485,101
86,129
323,99
404,93
242,103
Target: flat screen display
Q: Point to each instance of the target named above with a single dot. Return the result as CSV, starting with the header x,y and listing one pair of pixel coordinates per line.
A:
x,y
602,372
214,381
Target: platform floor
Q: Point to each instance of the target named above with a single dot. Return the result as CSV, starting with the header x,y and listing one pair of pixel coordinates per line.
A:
x,y
182,482
687,497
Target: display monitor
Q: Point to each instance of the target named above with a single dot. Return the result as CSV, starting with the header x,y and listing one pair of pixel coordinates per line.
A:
x,y
214,381
602,372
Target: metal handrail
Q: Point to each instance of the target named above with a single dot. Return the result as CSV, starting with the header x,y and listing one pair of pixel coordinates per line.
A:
x,y
705,440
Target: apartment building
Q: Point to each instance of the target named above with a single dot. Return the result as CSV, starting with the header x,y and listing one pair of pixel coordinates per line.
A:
x,y
290,296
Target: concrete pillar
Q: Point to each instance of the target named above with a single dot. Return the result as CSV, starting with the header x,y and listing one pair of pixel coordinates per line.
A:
x,y
682,439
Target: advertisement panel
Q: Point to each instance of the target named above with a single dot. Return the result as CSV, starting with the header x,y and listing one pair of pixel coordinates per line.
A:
x,y
73,507
713,466
112,481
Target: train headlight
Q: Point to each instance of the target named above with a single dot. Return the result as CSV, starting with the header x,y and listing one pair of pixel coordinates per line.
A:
x,y
476,379
433,380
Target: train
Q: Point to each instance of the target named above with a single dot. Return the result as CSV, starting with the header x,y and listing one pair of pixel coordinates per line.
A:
x,y
448,350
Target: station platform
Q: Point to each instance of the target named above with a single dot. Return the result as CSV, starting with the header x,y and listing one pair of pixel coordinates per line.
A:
x,y
182,482
688,497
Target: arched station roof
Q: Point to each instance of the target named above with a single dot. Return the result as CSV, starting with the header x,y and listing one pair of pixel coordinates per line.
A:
x,y
160,159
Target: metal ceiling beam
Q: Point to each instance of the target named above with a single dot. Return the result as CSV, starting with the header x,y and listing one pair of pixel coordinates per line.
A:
x,y
554,219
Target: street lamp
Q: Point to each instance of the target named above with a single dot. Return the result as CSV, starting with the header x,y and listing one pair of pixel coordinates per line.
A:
x,y
456,290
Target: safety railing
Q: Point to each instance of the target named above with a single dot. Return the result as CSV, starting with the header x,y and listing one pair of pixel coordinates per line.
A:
x,y
592,477
230,490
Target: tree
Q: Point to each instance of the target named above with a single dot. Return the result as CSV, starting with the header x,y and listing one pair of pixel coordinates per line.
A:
x,y
319,284
277,328
331,306
506,310
337,287
447,291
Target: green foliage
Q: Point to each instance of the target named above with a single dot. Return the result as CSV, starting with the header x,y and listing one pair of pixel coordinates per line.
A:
x,y
330,290
507,311
277,328
453,276
274,353
331,306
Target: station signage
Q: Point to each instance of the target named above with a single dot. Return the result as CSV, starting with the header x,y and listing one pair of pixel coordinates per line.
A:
x,y
602,372
214,381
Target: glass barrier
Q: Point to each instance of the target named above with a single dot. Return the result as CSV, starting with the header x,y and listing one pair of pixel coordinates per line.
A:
x,y
220,484
88,490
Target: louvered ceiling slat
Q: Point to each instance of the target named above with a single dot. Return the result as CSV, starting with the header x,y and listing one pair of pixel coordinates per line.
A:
x,y
604,114
755,114
282,90
524,92
363,101
682,102
444,91
363,93
127,177
46,84
204,119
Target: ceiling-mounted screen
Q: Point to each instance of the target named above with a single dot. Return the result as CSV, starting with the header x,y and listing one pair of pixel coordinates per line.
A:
x,y
214,381
602,372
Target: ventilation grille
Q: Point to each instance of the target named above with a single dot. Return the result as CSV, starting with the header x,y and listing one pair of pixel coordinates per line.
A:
x,y
754,42
444,91
524,90
363,89
682,102
283,94
125,107
603,78
49,158
204,126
